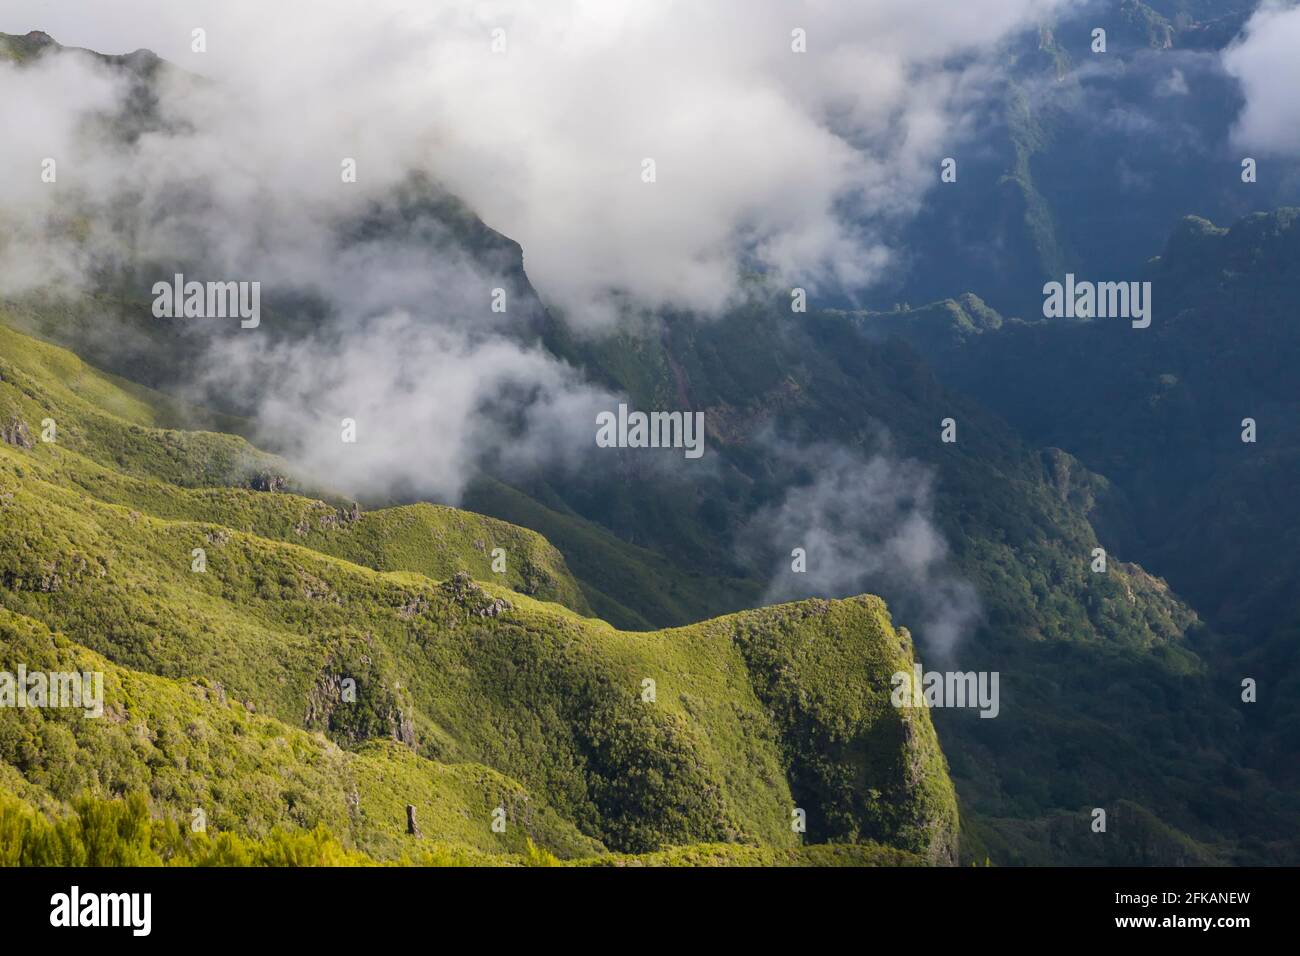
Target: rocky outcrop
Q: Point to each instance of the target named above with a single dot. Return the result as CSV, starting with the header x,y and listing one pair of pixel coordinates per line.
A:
x,y
268,481
468,594
16,433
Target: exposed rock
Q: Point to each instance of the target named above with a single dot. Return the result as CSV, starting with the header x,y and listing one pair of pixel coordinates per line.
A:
x,y
468,594
335,518
322,700
401,728
15,433
267,481
417,605
316,589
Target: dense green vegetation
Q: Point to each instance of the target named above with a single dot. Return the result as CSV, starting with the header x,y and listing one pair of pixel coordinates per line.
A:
x,y
104,446
122,833
224,681
1160,411
627,585
1110,698
188,745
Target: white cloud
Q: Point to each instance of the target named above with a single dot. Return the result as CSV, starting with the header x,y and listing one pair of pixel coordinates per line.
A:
x,y
799,164
795,163
430,405
865,524
1175,84
1264,61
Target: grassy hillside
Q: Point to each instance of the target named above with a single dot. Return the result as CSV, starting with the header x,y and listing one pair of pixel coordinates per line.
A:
x,y
121,832
628,585
225,680
107,445
188,745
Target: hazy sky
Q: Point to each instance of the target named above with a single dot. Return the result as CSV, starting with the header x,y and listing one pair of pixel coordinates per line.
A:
x,y
798,163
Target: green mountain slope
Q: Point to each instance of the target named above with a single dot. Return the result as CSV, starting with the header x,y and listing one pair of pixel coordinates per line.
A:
x,y
188,746
224,679
106,445
1106,696
1160,412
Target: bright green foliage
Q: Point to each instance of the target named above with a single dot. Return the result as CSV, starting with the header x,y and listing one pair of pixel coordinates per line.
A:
x,y
1105,695
732,854
121,833
123,458
225,679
